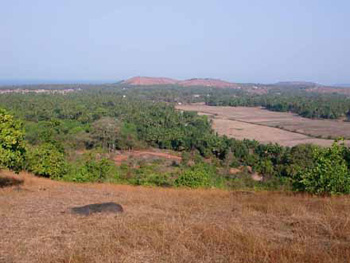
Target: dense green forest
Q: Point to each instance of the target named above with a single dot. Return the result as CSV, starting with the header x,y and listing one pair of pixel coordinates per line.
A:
x,y
45,134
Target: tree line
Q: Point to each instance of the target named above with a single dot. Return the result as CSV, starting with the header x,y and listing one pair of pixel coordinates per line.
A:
x,y
305,104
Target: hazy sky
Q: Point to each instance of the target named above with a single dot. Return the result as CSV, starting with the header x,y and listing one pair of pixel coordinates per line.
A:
x,y
243,41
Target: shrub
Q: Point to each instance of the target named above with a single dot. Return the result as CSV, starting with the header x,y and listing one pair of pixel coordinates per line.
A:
x,y
96,171
329,174
12,148
193,179
46,160
265,167
155,180
200,175
91,169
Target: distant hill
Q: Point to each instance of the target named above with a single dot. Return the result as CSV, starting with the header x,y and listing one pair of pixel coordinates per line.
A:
x,y
314,87
147,81
297,84
342,85
208,82
248,87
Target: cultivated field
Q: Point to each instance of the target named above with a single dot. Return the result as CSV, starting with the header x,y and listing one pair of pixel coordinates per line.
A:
x,y
168,225
267,126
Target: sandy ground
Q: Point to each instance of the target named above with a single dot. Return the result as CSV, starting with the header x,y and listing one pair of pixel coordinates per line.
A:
x,y
168,225
266,126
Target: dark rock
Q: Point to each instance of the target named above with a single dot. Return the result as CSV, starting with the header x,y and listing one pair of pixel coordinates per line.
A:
x,y
98,208
10,181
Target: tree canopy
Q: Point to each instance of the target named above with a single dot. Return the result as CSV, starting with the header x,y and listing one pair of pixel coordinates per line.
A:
x,y
12,146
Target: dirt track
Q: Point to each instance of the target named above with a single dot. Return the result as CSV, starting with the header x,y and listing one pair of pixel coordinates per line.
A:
x,y
266,126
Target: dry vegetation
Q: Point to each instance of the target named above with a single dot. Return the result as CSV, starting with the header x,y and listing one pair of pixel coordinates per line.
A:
x,y
168,225
267,126
146,155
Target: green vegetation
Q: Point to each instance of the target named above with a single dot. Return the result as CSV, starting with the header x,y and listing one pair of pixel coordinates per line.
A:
x,y
329,172
12,148
199,175
46,160
305,104
75,137
91,168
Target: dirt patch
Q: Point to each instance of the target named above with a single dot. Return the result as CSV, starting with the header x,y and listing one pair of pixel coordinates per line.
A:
x,y
121,157
266,126
170,225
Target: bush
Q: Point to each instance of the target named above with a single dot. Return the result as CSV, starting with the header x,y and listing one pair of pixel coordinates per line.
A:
x,y
193,179
329,174
91,169
200,175
265,167
12,147
46,160
154,179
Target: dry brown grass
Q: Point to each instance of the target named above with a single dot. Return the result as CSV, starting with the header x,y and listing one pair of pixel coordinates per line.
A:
x,y
169,225
267,126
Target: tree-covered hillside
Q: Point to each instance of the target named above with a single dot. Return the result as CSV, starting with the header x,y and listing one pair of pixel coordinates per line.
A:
x,y
98,122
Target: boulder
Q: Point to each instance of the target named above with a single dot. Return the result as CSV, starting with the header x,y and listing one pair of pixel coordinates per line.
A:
x,y
98,208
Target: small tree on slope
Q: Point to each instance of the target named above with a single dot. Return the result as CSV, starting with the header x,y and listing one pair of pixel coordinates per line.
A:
x,y
329,174
12,147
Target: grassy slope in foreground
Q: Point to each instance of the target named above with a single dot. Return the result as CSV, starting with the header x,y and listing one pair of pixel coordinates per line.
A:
x,y
169,225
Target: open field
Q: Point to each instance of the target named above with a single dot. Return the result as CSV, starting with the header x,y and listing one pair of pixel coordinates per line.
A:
x,y
267,126
168,225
